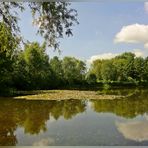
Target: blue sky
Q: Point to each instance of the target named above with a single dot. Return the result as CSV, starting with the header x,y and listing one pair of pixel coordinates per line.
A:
x,y
99,24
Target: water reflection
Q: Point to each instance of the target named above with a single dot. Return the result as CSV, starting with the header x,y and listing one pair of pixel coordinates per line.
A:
x,y
136,103
135,130
33,116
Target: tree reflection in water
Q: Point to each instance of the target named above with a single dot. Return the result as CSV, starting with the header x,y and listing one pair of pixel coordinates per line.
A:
x,y
32,116
136,103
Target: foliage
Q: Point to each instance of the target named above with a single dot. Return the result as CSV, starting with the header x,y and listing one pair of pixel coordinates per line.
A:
x,y
8,44
91,78
53,19
32,69
73,70
106,86
56,66
33,63
108,71
123,68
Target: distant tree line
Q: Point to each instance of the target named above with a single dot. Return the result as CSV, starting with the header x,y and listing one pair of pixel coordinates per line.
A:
x,y
123,68
31,68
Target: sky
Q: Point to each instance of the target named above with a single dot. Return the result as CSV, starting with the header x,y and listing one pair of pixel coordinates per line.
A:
x,y
106,29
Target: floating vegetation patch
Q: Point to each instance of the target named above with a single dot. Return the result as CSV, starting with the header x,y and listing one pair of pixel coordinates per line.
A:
x,y
67,94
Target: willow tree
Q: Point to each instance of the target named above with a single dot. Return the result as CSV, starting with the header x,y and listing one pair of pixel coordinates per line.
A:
x,y
54,20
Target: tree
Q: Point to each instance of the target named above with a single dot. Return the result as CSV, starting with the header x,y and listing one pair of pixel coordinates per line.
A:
x,y
73,70
32,68
145,70
120,66
96,68
38,67
53,19
20,77
56,66
139,68
91,78
125,65
9,15
8,44
108,71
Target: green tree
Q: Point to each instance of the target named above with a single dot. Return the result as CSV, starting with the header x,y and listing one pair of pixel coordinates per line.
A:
x,y
37,66
91,78
108,71
20,76
145,69
54,19
139,68
96,68
8,44
120,66
73,70
32,69
56,66
124,64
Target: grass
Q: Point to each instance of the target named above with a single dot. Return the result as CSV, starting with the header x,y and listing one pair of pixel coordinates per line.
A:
x,y
65,95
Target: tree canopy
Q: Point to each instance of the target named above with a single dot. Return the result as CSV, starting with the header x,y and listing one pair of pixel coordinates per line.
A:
x,y
125,67
53,19
8,44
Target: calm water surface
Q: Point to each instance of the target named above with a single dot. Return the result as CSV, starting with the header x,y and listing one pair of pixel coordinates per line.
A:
x,y
76,122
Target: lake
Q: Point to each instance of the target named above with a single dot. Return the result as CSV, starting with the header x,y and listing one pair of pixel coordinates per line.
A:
x,y
76,122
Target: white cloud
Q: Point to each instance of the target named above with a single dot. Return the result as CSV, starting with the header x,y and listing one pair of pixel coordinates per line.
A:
x,y
102,56
136,130
137,52
146,7
146,45
135,33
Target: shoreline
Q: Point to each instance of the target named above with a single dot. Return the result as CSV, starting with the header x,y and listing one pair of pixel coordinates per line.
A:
x,y
75,93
